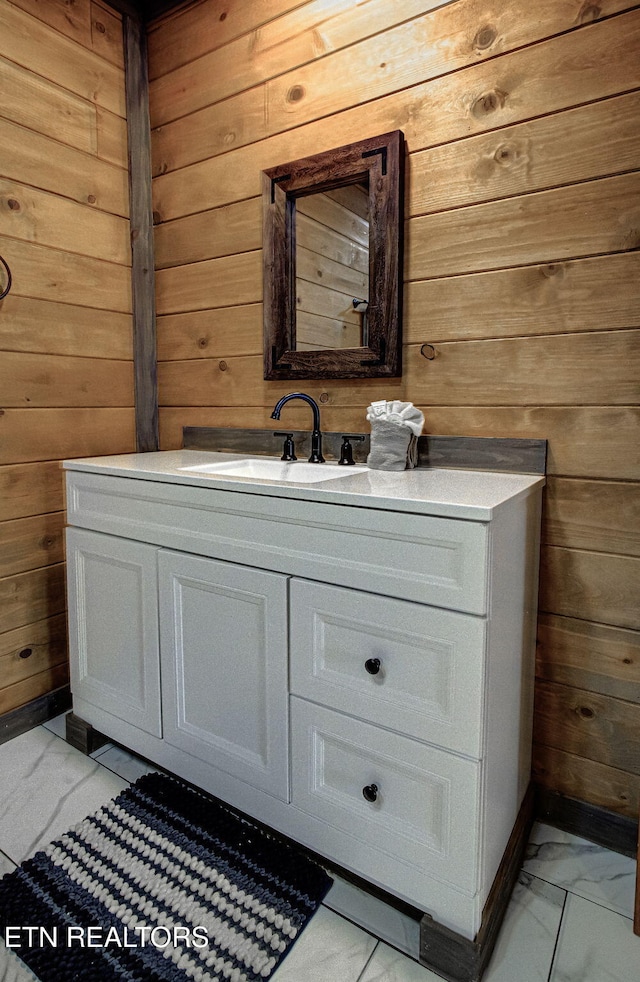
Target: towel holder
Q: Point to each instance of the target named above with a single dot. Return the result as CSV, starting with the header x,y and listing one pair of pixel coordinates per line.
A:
x,y
4,292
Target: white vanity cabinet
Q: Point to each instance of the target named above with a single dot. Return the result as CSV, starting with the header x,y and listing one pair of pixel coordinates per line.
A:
x,y
349,662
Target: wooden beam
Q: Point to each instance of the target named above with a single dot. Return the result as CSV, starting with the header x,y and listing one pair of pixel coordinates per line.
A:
x,y
142,272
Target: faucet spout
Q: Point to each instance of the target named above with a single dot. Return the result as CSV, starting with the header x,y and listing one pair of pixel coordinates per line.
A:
x,y
316,436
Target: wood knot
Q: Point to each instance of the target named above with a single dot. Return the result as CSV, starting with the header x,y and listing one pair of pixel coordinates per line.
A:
x,y
25,653
505,154
91,198
203,342
588,13
157,218
627,661
488,103
295,93
13,204
552,269
324,397
485,37
100,28
223,15
47,541
585,712
222,365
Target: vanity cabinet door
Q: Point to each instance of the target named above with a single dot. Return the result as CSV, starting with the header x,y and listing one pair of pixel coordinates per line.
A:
x,y
113,626
223,632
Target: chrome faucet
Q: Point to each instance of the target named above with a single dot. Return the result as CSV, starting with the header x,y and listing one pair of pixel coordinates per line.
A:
x,y
316,437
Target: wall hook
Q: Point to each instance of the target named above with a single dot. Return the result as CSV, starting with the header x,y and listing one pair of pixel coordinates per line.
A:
x,y
8,286
430,354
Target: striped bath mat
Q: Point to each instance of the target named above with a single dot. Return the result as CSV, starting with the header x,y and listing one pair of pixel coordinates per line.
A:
x,y
162,884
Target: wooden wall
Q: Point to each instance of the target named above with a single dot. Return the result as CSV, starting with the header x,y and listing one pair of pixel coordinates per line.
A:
x,y
66,381
522,269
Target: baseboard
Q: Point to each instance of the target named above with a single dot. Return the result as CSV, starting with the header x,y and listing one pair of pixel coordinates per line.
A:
x,y
599,825
457,958
34,713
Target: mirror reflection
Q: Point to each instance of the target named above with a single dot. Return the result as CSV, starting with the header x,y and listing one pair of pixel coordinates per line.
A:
x,y
332,262
332,268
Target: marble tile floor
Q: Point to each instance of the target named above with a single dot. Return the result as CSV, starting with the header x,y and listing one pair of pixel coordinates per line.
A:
x,y
569,920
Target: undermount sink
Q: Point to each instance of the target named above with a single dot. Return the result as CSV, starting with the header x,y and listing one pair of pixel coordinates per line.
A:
x,y
298,472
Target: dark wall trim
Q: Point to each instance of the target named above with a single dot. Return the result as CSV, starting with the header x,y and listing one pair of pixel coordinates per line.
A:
x,y
34,713
141,221
605,828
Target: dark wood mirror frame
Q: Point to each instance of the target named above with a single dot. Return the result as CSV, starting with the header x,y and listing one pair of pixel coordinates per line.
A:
x,y
378,162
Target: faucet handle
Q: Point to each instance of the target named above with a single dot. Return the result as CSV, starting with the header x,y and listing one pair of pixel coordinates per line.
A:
x,y
289,450
346,450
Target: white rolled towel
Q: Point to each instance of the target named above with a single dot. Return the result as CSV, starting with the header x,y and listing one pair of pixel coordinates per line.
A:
x,y
395,428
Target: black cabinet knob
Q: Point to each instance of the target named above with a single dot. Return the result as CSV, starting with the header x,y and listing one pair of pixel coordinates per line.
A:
x,y
370,792
372,665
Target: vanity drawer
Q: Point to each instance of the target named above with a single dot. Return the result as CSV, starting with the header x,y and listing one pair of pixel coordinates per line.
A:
x,y
407,666
425,812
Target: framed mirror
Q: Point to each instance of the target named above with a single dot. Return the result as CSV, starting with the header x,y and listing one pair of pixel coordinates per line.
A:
x,y
332,267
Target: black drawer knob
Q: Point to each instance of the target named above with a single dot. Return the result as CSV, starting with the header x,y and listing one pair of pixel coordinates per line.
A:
x,y
372,665
370,792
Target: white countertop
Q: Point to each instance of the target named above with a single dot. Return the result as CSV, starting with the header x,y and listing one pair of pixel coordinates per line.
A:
x,y
467,494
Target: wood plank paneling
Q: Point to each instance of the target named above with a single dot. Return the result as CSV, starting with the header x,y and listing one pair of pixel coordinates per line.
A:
x,y
106,33
52,220
587,780
30,650
27,41
31,489
72,20
216,282
596,217
553,298
559,73
302,35
33,596
60,380
51,274
213,333
570,369
589,725
210,234
446,40
55,434
599,441
595,586
29,543
177,40
111,136
603,516
69,172
32,688
589,656
34,102
46,327
65,328
528,157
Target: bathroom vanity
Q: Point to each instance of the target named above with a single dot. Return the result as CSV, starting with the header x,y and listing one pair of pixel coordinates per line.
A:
x,y
347,659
